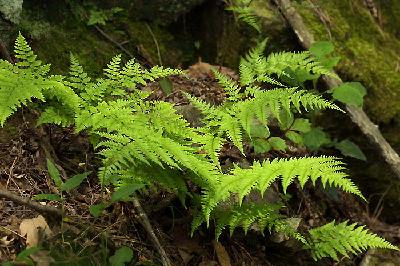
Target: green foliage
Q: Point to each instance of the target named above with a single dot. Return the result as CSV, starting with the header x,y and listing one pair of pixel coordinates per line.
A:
x,y
260,176
247,216
23,257
244,12
97,16
144,142
322,51
293,68
351,93
349,148
122,256
332,239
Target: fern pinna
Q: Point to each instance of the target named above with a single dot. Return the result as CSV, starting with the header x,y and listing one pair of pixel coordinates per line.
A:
x,y
148,142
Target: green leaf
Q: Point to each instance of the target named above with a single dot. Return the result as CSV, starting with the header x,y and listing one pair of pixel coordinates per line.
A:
x,y
97,209
301,125
285,119
315,138
123,193
295,137
51,197
54,173
351,93
277,143
166,85
261,145
349,148
322,48
122,256
259,131
74,181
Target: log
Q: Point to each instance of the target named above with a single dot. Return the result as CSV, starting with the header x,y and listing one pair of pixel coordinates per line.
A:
x,y
357,115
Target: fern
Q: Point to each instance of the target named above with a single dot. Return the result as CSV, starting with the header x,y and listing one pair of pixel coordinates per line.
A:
x,y
148,142
332,239
261,175
247,216
245,13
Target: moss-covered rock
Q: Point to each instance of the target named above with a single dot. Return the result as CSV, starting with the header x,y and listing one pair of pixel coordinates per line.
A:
x,y
369,51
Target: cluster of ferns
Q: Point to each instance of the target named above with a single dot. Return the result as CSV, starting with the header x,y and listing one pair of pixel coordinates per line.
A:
x,y
146,141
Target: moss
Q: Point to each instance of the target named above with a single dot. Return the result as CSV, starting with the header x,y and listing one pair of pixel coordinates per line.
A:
x,y
368,53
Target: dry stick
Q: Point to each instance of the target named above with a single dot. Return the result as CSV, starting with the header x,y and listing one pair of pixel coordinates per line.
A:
x,y
108,37
43,209
146,224
357,115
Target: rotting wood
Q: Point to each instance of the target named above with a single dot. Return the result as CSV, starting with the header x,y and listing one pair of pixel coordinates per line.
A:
x,y
357,115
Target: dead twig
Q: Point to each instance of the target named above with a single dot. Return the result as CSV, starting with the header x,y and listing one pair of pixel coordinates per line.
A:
x,y
43,209
108,37
357,115
144,220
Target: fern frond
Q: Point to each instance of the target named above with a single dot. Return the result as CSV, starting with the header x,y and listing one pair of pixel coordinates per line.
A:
x,y
261,175
230,86
78,79
246,14
113,68
27,59
332,239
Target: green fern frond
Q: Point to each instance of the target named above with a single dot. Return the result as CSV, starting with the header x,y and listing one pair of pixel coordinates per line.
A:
x,y
261,175
245,13
113,68
78,79
332,239
230,86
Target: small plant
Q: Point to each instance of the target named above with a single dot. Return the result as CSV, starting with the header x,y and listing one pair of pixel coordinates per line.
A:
x,y
144,142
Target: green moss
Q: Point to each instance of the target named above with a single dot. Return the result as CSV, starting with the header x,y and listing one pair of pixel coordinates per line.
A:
x,y
369,54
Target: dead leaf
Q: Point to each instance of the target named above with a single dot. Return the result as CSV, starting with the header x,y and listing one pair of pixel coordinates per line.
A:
x,y
222,254
34,229
4,242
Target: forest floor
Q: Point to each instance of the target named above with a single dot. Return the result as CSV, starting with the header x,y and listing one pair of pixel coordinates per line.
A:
x,y
82,239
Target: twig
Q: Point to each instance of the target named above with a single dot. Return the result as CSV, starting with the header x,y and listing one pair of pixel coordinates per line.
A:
x,y
144,220
108,37
43,209
357,115
156,43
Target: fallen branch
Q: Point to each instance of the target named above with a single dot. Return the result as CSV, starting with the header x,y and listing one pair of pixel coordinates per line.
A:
x,y
357,115
108,37
42,209
144,220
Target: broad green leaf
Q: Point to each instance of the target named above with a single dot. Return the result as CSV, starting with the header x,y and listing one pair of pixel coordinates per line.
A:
x,y
315,138
295,137
97,209
259,131
74,181
52,197
349,148
322,48
261,145
122,256
277,143
54,173
351,93
123,193
301,125
166,85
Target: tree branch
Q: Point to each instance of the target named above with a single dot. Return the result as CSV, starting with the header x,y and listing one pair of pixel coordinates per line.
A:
x,y
146,224
43,209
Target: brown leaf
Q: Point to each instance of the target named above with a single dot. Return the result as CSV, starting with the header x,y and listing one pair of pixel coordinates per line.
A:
x,y
222,254
34,229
